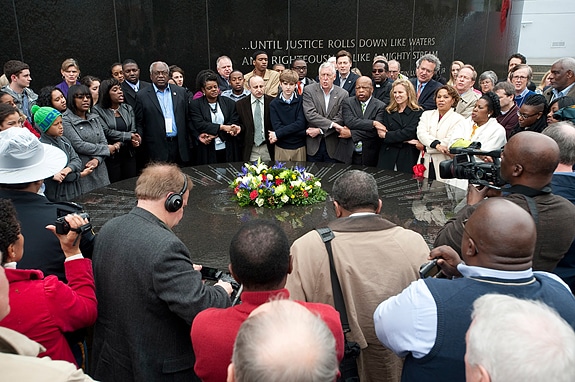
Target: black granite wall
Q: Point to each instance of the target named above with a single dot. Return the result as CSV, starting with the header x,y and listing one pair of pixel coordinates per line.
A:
x,y
193,33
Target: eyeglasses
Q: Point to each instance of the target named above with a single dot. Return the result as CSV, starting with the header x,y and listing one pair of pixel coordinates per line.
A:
x,y
301,68
378,70
463,223
525,116
82,96
522,78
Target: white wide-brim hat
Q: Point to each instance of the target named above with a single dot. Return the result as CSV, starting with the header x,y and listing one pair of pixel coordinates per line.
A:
x,y
24,159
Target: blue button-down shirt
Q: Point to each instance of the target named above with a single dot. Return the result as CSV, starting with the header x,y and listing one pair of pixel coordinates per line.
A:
x,y
165,100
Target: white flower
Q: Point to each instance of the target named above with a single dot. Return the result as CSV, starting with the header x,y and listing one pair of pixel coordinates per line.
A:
x,y
260,201
295,183
317,184
284,198
270,177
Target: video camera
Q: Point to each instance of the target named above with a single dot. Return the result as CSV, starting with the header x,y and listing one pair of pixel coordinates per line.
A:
x,y
465,166
62,226
214,274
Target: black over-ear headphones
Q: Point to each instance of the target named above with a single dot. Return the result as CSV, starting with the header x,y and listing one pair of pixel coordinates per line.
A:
x,y
175,201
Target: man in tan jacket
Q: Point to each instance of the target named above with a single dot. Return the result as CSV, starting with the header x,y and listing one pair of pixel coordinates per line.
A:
x,y
374,260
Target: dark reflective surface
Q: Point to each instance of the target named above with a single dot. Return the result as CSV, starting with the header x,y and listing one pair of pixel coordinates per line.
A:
x,y
192,34
211,218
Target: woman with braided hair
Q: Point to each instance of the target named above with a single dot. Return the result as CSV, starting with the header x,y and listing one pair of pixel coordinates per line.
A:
x,y
532,115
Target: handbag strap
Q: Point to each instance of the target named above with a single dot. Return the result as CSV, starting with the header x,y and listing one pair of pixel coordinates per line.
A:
x,y
327,236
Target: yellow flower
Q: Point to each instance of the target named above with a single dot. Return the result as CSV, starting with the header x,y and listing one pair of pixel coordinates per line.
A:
x,y
261,191
292,196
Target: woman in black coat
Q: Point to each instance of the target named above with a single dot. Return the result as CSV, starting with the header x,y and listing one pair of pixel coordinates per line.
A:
x,y
400,147
215,122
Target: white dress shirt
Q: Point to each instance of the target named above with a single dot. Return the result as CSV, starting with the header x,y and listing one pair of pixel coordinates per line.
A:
x,y
407,323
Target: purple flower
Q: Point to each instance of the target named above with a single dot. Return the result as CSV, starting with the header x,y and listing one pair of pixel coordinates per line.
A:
x,y
278,165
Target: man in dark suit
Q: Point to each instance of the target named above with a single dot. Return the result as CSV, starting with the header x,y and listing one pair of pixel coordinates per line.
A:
x,y
148,288
381,83
424,85
322,110
162,118
300,67
254,112
132,84
362,114
225,68
345,77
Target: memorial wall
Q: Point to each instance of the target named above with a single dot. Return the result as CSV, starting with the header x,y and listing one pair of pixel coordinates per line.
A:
x,y
193,33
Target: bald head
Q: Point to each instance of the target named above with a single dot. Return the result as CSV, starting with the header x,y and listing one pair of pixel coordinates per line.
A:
x,y
529,159
499,235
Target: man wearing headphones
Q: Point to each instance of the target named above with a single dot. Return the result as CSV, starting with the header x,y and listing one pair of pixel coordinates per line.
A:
x,y
148,289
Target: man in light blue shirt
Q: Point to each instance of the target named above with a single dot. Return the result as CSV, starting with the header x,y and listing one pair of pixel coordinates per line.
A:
x,y
162,118
562,78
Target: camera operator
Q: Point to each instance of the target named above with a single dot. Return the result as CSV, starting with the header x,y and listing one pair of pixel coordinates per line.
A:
x,y
44,308
149,290
260,260
527,164
426,323
24,164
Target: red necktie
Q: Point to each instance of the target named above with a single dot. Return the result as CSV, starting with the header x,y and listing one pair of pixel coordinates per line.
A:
x,y
299,88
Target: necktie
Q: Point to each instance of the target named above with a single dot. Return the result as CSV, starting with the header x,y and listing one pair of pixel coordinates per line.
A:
x,y
299,88
363,107
259,129
419,87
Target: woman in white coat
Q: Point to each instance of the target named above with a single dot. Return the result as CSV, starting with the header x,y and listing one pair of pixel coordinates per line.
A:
x,y
435,128
482,126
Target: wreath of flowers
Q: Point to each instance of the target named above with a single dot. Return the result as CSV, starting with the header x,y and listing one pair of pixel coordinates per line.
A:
x,y
274,187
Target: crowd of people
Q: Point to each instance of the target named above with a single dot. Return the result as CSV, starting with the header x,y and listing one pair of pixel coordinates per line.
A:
x,y
118,125
352,284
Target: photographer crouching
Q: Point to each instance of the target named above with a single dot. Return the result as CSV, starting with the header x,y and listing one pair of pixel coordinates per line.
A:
x,y
527,165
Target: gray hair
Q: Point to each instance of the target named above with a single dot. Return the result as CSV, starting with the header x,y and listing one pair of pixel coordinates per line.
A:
x,y
568,63
284,342
506,86
159,63
519,67
431,58
220,59
327,65
488,75
396,62
355,190
564,134
520,340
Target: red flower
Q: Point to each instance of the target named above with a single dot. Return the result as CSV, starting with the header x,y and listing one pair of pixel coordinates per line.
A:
x,y
236,189
264,177
279,181
305,194
253,194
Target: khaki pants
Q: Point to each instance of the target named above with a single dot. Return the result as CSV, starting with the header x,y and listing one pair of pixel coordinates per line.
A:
x,y
285,155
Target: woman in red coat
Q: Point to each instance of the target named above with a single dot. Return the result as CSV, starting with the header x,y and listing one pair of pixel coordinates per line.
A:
x,y
44,308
